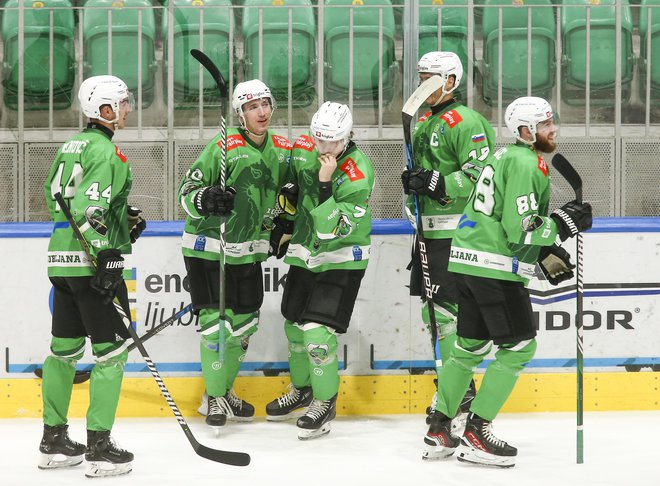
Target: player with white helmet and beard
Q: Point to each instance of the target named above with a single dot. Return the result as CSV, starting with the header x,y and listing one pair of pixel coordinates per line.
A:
x,y
256,164
328,254
94,178
506,231
450,144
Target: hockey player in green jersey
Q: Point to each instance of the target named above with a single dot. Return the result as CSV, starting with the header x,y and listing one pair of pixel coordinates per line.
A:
x,y
256,165
328,255
450,144
504,231
94,178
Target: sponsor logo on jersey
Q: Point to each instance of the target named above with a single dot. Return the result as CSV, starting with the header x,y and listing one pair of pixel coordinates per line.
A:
x,y
120,154
357,253
233,141
542,166
281,142
424,117
479,137
304,142
200,243
350,168
452,118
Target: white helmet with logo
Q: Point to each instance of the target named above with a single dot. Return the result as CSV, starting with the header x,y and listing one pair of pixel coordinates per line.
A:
x,y
443,63
527,111
97,91
332,122
247,91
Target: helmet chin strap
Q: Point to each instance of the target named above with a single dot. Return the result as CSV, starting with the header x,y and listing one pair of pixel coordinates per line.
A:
x,y
444,91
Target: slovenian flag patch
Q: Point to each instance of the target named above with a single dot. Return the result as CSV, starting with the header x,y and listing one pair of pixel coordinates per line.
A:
x,y
479,137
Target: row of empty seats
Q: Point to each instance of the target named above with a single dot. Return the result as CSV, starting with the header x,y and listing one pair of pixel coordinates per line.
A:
x,y
207,23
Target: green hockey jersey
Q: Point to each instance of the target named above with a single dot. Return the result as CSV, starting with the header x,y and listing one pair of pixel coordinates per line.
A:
x,y
446,139
505,222
256,173
335,234
94,177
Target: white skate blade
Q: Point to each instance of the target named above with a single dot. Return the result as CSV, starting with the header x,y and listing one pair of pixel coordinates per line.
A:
x,y
54,461
433,453
234,418
291,415
466,453
104,469
307,434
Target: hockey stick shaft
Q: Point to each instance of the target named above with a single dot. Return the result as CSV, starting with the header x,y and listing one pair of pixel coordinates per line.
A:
x,y
225,457
569,173
409,109
213,70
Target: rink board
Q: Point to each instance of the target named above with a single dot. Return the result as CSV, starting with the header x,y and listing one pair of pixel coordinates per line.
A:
x,y
386,342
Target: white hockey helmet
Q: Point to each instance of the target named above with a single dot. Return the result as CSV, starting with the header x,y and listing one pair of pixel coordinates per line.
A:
x,y
444,64
527,111
332,122
247,91
102,90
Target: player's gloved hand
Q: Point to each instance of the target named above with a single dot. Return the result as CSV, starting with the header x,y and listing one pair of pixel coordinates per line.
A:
x,y
287,199
572,218
280,236
109,268
136,223
472,171
555,262
424,183
213,201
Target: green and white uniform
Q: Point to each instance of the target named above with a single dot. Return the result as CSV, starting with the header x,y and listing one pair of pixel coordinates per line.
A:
x,y
454,140
94,177
328,253
256,173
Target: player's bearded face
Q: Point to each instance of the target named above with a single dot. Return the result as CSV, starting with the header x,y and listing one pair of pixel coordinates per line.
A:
x,y
257,115
546,132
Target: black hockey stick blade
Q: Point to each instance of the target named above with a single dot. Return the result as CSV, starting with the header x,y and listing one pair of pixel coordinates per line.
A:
x,y
213,70
225,457
569,173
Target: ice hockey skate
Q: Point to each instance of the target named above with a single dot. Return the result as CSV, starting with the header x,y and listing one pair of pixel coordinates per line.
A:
x,y
458,422
439,440
480,446
316,421
58,450
105,458
290,405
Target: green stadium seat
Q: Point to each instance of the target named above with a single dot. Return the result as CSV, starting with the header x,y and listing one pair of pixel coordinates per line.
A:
x,y
125,62
211,17
649,8
365,54
453,26
602,51
515,53
37,54
275,45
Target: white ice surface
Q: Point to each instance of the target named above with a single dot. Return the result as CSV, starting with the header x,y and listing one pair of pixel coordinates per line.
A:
x,y
621,448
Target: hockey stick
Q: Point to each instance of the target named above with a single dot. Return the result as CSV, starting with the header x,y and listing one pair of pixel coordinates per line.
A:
x,y
426,89
83,375
569,173
224,457
213,70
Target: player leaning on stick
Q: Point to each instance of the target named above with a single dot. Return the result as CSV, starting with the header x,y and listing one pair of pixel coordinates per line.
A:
x,y
256,165
450,144
503,232
328,255
94,178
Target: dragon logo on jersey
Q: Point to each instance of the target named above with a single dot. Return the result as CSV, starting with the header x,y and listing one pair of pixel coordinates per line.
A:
x,y
94,217
318,353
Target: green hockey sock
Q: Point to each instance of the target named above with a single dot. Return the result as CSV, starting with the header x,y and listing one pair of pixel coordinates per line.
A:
x,y
243,326
58,373
105,384
321,345
298,358
445,320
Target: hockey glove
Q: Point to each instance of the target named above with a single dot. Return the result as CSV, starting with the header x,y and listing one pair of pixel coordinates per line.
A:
x,y
280,236
109,268
213,201
287,199
424,183
136,223
555,262
572,218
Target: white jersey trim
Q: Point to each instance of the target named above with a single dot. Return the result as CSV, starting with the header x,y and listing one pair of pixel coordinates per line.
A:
x,y
252,247
342,255
68,259
493,261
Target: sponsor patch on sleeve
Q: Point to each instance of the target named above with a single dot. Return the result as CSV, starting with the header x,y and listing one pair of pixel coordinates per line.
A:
x,y
424,116
350,168
452,118
120,154
233,141
542,166
281,142
304,142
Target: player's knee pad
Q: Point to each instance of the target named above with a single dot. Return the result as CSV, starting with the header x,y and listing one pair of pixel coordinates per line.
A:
x,y
516,356
209,323
469,353
320,343
69,350
294,335
445,317
242,327
109,354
